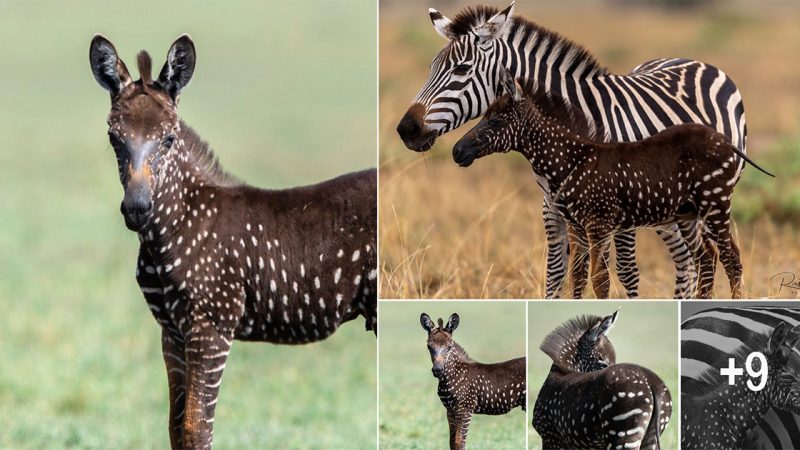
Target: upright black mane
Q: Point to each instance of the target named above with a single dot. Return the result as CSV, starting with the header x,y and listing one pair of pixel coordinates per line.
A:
x,y
200,155
563,341
470,17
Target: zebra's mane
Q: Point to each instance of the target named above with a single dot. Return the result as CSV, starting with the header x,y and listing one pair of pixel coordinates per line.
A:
x,y
564,113
201,156
710,379
562,343
468,18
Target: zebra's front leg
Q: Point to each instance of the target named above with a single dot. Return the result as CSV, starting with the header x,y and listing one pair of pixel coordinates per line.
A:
x,y
579,261
462,419
174,358
599,244
627,269
680,242
555,227
207,351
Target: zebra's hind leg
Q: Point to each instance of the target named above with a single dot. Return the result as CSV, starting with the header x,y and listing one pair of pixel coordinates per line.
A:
x,y
555,227
627,270
706,261
681,253
719,229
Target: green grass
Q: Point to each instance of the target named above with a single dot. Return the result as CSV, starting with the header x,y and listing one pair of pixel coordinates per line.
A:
x,y
285,93
646,333
411,414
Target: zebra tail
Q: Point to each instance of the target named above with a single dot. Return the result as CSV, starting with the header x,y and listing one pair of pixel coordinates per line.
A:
x,y
653,426
750,161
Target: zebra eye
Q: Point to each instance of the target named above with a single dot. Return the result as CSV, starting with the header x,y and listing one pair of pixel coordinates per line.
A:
x,y
461,69
168,140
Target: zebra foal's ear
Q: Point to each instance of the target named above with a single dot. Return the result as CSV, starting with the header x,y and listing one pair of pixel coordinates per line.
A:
x,y
178,70
109,71
452,323
425,321
602,328
441,24
496,26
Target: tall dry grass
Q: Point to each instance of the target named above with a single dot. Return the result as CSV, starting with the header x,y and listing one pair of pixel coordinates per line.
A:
x,y
448,232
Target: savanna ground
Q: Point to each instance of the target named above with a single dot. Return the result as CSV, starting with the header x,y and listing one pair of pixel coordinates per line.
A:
x,y
411,414
645,333
449,232
286,96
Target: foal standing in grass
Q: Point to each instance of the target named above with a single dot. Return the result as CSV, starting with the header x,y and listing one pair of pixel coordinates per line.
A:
x,y
602,188
220,260
588,401
467,387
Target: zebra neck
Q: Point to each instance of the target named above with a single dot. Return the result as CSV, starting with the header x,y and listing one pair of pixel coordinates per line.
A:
x,y
537,54
554,160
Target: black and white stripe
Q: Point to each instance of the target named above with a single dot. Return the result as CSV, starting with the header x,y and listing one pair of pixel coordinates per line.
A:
x,y
711,335
463,82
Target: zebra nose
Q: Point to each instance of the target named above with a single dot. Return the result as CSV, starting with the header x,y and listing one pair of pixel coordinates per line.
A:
x,y
437,371
464,153
409,127
136,208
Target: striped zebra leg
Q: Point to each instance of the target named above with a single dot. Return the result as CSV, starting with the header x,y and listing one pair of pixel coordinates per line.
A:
x,y
206,354
627,270
461,421
579,261
174,358
681,254
555,228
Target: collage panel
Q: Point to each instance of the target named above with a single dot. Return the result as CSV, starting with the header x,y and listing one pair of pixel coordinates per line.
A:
x,y
603,375
452,374
462,219
740,375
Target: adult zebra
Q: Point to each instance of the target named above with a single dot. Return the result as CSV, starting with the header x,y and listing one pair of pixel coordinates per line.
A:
x,y
464,78
712,334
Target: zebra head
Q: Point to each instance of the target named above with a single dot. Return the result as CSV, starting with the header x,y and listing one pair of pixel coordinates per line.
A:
x,y
581,344
143,121
463,77
783,383
440,340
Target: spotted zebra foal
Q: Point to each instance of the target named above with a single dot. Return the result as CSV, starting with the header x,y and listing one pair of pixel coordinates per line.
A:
x,y
683,173
220,260
467,387
716,415
588,401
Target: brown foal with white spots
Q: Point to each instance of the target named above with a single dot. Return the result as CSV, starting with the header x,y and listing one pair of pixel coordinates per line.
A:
x,y
588,401
467,387
684,172
220,260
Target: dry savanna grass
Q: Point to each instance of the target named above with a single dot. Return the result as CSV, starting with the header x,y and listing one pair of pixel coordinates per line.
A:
x,y
449,232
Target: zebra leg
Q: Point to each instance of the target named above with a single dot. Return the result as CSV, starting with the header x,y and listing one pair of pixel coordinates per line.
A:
x,y
206,353
463,419
707,267
174,359
578,266
557,249
681,253
719,227
599,244
627,270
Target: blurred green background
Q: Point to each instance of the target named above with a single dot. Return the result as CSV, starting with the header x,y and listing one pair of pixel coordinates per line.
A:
x,y
645,333
285,93
411,414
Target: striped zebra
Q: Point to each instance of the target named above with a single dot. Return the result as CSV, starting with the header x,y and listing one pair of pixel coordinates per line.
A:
x,y
464,79
711,335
